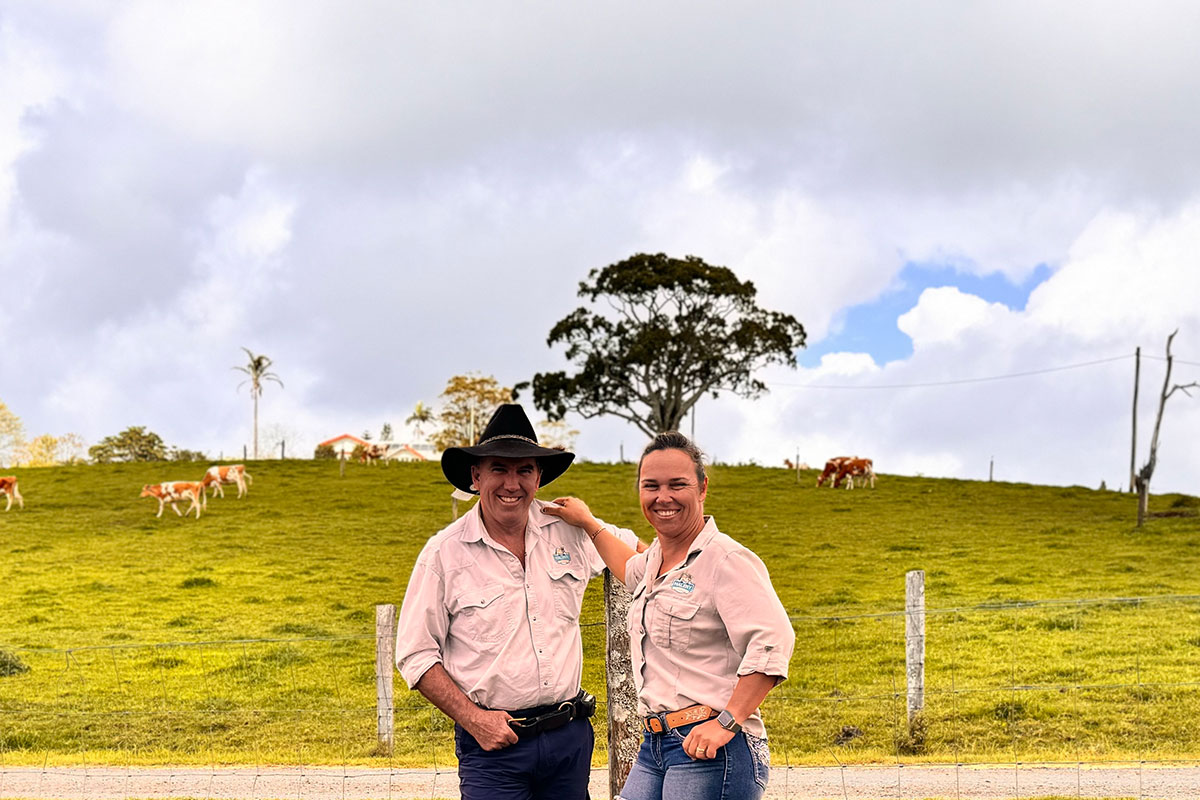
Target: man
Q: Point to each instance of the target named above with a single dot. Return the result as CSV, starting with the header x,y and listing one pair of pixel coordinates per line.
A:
x,y
489,628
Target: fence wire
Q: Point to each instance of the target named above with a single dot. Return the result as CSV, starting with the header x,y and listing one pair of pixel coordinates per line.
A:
x,y
1079,698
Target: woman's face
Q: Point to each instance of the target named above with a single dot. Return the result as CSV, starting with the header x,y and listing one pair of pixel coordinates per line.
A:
x,y
671,497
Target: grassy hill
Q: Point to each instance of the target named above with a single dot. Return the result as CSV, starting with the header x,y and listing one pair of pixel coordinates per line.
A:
x,y
247,636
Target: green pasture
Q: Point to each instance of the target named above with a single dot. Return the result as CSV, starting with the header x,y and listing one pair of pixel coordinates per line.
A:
x,y
248,636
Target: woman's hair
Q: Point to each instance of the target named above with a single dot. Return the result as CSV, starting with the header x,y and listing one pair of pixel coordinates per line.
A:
x,y
674,440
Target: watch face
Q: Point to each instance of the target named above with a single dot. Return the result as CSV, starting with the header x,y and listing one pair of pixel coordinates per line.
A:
x,y
726,721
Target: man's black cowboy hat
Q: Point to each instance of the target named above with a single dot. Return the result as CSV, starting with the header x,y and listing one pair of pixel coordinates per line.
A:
x,y
508,435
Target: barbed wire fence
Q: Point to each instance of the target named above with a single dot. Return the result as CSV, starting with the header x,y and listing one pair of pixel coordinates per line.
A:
x,y
1009,692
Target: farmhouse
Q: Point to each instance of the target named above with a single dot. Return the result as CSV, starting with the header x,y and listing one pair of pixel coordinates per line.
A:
x,y
343,446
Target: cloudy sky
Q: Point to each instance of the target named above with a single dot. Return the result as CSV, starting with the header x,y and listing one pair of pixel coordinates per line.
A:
x,y
380,195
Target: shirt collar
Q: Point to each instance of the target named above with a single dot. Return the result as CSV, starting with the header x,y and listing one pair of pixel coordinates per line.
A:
x,y
473,529
654,557
705,536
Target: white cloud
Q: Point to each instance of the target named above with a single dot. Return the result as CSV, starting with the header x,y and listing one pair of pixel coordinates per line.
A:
x,y
944,315
387,194
1130,280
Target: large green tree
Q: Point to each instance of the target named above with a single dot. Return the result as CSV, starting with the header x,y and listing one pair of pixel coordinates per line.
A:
x,y
665,332
135,443
258,368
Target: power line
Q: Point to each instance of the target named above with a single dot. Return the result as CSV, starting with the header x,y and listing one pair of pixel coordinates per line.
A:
x,y
958,381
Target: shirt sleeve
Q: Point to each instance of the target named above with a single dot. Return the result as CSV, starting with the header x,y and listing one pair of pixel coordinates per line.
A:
x,y
635,569
424,620
756,620
595,562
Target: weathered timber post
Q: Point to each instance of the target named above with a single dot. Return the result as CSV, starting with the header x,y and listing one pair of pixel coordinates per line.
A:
x,y
1137,374
914,640
385,659
624,728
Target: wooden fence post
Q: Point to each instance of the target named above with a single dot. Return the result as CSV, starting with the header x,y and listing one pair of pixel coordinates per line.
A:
x,y
624,726
914,640
385,660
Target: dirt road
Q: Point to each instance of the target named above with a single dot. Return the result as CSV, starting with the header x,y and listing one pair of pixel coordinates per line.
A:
x,y
797,783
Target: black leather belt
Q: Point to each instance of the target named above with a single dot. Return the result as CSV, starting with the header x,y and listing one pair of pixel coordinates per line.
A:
x,y
530,722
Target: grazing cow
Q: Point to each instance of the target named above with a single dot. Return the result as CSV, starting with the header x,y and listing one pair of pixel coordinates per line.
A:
x,y
173,491
832,466
233,474
8,487
862,469
372,452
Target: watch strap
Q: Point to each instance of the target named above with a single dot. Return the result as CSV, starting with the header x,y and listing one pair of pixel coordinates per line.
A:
x,y
726,721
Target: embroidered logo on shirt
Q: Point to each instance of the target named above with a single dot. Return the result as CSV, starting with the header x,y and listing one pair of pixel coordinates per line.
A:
x,y
684,584
561,556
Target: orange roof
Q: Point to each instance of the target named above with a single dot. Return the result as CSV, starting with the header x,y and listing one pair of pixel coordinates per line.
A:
x,y
354,439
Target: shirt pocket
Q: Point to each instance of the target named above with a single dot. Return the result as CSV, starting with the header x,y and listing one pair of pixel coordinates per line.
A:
x,y
673,622
480,614
568,585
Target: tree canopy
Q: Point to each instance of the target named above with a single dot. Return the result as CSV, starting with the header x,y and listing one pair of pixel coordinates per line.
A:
x,y
468,402
135,443
667,332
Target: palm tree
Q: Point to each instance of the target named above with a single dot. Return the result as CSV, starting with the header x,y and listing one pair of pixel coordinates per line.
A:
x,y
421,415
257,370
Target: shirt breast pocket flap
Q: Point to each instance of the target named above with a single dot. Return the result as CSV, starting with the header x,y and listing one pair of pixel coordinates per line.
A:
x,y
569,584
673,623
481,613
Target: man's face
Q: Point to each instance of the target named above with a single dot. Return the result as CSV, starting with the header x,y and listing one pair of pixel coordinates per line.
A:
x,y
506,489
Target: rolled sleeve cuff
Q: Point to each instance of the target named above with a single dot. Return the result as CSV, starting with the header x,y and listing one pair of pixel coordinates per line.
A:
x,y
768,659
413,667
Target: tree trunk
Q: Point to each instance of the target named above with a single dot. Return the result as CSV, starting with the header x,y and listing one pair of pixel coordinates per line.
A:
x,y
256,427
1143,493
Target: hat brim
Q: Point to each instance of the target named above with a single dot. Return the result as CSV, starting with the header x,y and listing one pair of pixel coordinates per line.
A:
x,y
457,461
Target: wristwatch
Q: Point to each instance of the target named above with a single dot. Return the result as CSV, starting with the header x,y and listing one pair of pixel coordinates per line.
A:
x,y
726,721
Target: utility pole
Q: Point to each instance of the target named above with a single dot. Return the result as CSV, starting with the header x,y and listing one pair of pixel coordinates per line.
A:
x,y
1137,369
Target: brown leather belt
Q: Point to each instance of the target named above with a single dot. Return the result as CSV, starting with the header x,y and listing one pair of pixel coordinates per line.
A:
x,y
657,723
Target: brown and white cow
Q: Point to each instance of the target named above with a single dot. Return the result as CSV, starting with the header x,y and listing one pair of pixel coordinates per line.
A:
x,y
831,469
8,487
173,491
232,474
372,453
862,469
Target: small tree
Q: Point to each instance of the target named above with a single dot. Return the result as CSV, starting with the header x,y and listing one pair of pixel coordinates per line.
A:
x,y
132,444
385,433
12,435
667,332
40,451
467,404
1142,479
258,369
72,449
422,415
324,451
556,433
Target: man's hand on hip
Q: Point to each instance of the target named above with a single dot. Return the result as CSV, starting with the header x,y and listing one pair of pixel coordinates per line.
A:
x,y
491,729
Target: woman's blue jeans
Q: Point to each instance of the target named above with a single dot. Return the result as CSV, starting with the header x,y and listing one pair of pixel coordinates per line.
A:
x,y
739,771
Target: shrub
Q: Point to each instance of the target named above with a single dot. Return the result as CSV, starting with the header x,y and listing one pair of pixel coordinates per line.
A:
x,y
11,665
324,451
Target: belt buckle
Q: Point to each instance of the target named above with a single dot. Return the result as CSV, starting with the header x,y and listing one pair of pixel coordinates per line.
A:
x,y
656,724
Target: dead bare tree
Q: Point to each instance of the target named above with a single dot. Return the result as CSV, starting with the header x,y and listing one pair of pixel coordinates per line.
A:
x,y
1142,480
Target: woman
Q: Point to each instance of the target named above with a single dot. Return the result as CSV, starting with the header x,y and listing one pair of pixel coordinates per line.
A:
x,y
708,635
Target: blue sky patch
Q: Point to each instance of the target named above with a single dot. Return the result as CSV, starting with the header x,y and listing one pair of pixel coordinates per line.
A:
x,y
871,327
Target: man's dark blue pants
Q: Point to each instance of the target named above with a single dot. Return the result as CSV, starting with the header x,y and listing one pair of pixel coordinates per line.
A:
x,y
553,766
